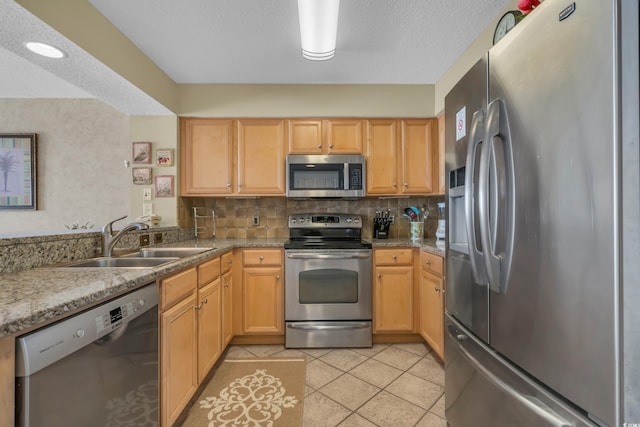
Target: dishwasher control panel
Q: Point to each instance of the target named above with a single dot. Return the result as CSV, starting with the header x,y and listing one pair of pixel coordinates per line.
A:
x,y
114,318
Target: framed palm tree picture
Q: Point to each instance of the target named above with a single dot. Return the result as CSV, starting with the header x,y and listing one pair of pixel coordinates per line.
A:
x,y
18,171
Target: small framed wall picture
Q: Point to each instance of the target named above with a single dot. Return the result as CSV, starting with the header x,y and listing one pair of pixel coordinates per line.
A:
x,y
164,186
141,152
164,157
141,176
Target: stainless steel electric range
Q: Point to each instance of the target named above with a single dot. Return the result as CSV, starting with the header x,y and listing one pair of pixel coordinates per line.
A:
x,y
328,288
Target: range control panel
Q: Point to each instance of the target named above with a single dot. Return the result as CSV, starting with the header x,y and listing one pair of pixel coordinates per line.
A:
x,y
323,220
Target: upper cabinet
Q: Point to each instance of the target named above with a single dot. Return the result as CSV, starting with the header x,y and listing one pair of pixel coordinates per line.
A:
x,y
401,157
261,157
336,136
206,157
220,157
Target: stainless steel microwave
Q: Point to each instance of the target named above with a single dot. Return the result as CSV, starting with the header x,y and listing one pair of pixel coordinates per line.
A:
x,y
333,175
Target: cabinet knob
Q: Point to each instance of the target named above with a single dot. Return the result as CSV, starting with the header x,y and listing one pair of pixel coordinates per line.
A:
x,y
228,185
261,258
379,275
395,257
437,289
229,262
277,277
427,262
330,145
198,307
204,301
319,145
406,184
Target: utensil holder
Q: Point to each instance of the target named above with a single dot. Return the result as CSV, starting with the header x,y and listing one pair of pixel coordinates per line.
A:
x,y
416,231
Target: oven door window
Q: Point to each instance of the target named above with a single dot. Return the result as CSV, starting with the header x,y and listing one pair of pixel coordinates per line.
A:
x,y
328,286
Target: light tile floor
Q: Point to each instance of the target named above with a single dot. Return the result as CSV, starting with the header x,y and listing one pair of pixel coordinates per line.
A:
x,y
397,385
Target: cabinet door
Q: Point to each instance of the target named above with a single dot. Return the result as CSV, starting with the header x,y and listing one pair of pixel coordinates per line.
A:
x,y
178,358
432,311
393,299
343,136
261,157
206,157
305,136
418,150
382,157
262,295
227,308
209,327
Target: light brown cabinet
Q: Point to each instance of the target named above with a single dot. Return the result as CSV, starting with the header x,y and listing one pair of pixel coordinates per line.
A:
x,y
7,381
432,301
401,157
261,157
221,157
393,290
206,157
209,312
262,292
227,298
335,136
178,344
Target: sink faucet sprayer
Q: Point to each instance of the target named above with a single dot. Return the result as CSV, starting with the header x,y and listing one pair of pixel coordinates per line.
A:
x,y
109,240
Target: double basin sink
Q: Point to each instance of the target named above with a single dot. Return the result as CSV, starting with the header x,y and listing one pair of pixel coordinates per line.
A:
x,y
144,258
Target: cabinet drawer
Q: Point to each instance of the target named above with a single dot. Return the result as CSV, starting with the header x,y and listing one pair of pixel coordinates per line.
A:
x,y
226,262
431,262
261,257
175,288
393,256
208,271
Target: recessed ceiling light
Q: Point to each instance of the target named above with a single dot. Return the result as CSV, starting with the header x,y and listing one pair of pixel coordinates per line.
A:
x,y
45,50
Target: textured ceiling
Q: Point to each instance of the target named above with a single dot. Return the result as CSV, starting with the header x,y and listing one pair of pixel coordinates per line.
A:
x,y
245,41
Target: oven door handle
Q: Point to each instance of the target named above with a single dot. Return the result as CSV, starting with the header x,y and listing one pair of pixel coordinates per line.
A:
x,y
346,327
328,256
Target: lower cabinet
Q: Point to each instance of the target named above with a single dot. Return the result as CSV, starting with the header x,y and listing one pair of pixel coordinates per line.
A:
x,y
262,292
178,346
393,290
227,298
432,302
190,334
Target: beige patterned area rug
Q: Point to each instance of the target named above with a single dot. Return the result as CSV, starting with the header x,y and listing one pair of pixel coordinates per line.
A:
x,y
252,392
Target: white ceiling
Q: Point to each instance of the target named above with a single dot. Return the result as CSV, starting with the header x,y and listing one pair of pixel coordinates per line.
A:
x,y
256,41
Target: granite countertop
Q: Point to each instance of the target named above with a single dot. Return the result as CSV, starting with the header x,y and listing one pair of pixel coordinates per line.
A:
x,y
34,297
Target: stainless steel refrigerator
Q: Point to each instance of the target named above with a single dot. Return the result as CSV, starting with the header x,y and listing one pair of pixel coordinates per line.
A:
x,y
543,231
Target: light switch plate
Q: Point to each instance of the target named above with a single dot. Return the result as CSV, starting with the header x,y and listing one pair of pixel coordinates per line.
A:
x,y
146,194
147,209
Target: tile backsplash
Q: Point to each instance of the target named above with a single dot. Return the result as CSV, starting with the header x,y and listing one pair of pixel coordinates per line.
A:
x,y
234,216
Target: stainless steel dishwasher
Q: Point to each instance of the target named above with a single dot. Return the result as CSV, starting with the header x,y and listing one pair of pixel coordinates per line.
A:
x,y
96,368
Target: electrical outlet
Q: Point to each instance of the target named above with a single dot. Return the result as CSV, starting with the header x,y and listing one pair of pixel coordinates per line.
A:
x,y
157,238
256,220
392,219
147,209
144,240
146,194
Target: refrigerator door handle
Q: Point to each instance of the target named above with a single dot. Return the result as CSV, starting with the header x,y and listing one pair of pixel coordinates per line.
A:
x,y
476,137
496,197
534,405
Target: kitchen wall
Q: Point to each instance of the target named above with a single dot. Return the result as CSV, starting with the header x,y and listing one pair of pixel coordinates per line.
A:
x,y
81,178
234,216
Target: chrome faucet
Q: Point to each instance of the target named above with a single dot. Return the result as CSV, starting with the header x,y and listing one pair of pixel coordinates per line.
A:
x,y
109,240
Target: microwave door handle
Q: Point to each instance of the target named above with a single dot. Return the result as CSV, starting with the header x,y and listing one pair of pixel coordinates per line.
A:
x,y
345,176
476,137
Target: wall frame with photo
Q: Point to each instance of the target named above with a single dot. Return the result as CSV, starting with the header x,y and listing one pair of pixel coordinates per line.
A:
x,y
164,157
141,176
18,173
141,152
164,186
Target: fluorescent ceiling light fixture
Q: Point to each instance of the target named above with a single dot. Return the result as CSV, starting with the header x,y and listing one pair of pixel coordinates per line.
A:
x,y
318,28
45,50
